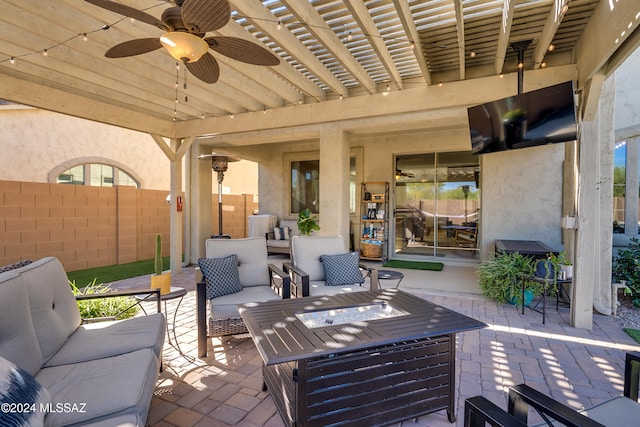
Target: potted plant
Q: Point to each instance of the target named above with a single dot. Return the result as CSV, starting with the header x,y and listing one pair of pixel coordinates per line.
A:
x,y
563,264
307,222
160,279
501,278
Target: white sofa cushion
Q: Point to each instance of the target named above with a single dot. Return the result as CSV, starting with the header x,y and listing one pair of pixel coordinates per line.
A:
x,y
106,339
18,341
252,257
54,310
101,389
307,250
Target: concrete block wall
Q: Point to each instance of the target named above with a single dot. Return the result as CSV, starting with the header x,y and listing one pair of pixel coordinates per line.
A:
x,y
88,227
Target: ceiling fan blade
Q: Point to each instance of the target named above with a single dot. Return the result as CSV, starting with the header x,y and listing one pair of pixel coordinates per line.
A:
x,y
205,68
200,16
133,47
130,12
242,50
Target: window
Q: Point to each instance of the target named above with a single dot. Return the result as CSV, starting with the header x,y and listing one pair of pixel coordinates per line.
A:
x,y
305,185
96,175
619,186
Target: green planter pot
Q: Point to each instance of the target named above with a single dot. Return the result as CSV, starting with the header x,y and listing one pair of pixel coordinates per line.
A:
x,y
528,297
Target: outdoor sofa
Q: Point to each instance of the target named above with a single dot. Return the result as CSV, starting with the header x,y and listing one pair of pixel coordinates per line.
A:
x,y
69,373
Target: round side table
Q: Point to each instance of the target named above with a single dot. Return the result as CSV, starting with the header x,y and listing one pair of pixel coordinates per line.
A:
x,y
390,275
174,292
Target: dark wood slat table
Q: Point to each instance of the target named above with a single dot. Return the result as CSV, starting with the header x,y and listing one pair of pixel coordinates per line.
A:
x,y
532,248
373,373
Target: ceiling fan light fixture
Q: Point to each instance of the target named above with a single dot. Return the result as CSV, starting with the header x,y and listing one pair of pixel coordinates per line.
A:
x,y
184,47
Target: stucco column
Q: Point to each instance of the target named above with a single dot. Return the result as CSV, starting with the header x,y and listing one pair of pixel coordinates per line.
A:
x,y
631,199
175,218
334,183
201,212
592,270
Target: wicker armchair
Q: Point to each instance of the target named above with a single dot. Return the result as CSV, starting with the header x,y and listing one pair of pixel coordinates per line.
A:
x,y
259,281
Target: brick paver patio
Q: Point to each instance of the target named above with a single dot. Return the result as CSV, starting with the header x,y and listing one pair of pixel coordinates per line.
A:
x,y
578,367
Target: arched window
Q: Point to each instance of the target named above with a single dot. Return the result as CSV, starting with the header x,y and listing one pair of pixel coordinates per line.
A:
x,y
101,173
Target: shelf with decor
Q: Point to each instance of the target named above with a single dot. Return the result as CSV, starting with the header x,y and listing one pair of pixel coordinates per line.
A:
x,y
374,221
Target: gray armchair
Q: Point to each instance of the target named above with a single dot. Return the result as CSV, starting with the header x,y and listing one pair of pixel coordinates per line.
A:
x,y
619,411
244,263
307,268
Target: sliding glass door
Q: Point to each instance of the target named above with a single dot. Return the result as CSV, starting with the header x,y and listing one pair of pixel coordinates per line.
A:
x,y
437,205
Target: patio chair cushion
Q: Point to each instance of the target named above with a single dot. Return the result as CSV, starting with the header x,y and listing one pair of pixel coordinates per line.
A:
x,y
18,341
18,387
225,307
252,258
54,310
282,233
105,339
104,388
306,253
221,275
342,269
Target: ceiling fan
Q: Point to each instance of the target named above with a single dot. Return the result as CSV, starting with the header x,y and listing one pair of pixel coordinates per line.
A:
x,y
400,174
185,26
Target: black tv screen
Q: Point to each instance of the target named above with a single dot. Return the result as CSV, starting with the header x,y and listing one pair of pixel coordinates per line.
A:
x,y
539,117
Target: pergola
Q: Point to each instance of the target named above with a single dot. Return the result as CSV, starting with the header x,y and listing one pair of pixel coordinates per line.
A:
x,y
376,66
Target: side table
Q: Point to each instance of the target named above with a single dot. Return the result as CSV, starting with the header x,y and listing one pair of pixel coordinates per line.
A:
x,y
174,292
390,275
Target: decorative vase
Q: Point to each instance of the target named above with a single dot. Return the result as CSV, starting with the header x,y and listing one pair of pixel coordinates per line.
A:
x,y
162,282
568,269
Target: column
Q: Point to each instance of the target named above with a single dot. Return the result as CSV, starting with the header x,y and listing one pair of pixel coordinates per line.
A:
x,y
175,218
631,199
592,270
334,183
201,213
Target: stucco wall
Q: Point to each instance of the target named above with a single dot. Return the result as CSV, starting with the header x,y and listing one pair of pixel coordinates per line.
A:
x,y
522,196
627,94
35,142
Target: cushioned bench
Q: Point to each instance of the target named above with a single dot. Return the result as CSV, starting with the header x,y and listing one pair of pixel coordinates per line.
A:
x,y
95,374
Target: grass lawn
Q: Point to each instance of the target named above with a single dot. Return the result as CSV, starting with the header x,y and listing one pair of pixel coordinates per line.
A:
x,y
633,333
113,272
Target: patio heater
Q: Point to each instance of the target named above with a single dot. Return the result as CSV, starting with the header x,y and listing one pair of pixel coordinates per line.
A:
x,y
220,164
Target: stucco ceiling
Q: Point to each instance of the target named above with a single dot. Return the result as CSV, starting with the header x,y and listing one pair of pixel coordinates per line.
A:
x,y
330,51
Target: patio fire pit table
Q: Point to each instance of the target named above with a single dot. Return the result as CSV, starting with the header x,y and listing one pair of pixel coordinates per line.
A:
x,y
366,358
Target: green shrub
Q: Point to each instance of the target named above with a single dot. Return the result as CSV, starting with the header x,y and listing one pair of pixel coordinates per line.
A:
x,y
626,266
118,307
501,277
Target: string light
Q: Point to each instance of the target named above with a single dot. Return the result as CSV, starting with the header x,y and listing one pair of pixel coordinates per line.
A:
x,y
45,53
279,26
472,54
12,60
84,37
551,48
349,36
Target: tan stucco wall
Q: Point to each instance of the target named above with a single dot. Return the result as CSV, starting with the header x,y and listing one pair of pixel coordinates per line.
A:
x,y
35,142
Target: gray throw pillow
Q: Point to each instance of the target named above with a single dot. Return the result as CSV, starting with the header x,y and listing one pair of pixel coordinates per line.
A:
x,y
342,269
221,275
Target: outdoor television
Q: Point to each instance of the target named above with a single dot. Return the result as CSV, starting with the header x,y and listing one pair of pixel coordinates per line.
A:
x,y
543,116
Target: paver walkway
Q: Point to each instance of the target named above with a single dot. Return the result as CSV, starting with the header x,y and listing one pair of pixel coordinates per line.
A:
x,y
576,366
